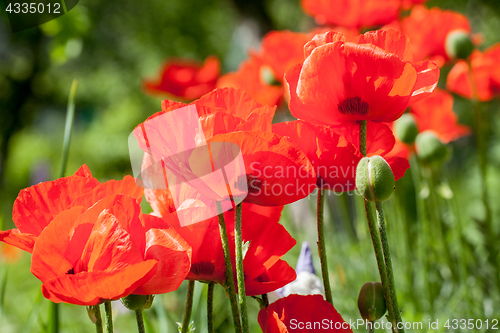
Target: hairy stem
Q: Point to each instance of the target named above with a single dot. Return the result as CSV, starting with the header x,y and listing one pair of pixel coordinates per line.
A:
x,y
322,246
240,275
210,307
109,316
388,264
229,270
140,321
188,308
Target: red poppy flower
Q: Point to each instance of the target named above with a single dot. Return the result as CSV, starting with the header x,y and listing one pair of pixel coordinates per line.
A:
x,y
277,171
485,73
108,251
185,79
436,114
373,79
306,314
36,206
264,271
333,157
428,29
352,14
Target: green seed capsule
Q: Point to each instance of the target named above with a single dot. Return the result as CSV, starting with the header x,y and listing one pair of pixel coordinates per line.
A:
x,y
430,149
135,302
371,301
406,128
458,45
374,178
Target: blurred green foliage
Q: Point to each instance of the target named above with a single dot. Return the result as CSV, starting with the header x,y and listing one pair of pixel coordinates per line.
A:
x,y
110,46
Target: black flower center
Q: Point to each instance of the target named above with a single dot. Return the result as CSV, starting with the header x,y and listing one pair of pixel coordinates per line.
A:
x,y
203,268
353,106
253,184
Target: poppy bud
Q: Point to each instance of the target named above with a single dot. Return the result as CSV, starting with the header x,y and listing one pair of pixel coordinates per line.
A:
x,y
374,178
430,149
92,314
406,128
371,301
136,302
458,45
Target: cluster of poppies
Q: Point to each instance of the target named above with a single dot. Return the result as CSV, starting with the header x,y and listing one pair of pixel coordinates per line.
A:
x,y
91,243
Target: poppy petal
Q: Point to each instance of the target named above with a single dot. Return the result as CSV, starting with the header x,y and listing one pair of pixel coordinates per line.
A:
x,y
277,276
37,205
48,260
92,288
277,171
126,187
174,260
14,237
427,80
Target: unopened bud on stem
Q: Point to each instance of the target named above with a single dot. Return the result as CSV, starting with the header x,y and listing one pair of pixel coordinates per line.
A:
x,y
374,178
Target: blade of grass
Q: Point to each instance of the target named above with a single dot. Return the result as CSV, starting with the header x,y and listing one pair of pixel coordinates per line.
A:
x,y
53,325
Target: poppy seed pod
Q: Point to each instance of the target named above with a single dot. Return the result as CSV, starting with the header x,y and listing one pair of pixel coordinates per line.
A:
x,y
458,45
430,149
406,128
135,302
374,178
371,301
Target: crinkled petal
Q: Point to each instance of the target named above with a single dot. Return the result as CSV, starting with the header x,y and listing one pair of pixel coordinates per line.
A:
x,y
91,288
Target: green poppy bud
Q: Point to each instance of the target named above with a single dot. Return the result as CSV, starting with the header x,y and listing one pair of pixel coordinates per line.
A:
x,y
91,311
374,178
135,302
430,149
406,128
149,302
458,45
371,301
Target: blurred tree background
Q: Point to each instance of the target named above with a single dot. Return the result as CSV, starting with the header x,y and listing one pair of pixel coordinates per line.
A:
x,y
109,47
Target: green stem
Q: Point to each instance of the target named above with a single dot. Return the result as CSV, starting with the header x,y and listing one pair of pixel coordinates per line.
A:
x,y
265,300
379,255
377,243
189,307
229,270
362,136
210,307
53,318
388,264
140,321
109,316
240,275
322,246
98,322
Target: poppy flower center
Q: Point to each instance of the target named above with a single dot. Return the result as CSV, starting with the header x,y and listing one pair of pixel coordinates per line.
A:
x,y
253,184
203,268
71,271
353,106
